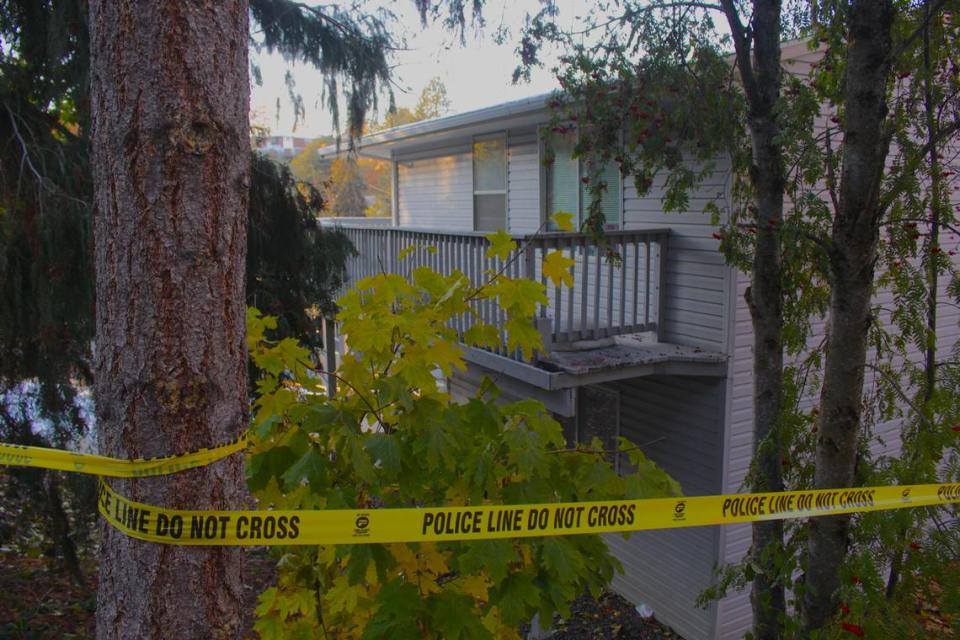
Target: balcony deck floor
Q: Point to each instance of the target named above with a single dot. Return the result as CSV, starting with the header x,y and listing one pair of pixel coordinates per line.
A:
x,y
627,356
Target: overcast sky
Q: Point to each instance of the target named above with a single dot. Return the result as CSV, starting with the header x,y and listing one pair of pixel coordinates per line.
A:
x,y
476,75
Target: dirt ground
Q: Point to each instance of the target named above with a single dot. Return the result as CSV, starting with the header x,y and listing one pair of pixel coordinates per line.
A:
x,y
39,602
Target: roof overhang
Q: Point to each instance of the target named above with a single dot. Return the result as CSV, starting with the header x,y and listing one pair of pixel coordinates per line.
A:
x,y
461,127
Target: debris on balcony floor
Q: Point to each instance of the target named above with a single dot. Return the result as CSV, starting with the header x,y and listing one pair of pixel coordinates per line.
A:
x,y
624,352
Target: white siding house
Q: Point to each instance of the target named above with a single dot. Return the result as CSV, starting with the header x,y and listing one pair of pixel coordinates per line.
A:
x,y
685,389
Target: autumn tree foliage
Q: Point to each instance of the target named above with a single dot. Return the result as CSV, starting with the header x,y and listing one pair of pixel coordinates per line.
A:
x,y
390,436
347,189
349,181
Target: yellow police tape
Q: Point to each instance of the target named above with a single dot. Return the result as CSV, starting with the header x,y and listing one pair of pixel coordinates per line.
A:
x,y
362,526
22,456
385,525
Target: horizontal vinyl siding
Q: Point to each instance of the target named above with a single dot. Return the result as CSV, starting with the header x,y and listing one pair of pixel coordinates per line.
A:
x,y
523,182
677,422
436,186
437,192
696,275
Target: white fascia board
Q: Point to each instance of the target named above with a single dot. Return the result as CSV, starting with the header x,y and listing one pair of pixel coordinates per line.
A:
x,y
380,144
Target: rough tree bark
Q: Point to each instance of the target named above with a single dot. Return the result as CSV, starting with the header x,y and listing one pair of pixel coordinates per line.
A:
x,y
760,74
170,103
854,239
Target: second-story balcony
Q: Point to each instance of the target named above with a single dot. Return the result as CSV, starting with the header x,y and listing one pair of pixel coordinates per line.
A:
x,y
605,326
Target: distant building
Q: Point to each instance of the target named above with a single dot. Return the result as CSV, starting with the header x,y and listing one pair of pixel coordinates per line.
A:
x,y
284,147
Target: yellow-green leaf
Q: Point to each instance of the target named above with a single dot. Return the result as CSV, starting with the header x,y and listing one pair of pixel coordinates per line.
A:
x,y
523,335
563,220
501,244
482,335
556,266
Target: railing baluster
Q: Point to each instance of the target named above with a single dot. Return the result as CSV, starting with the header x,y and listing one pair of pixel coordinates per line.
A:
x,y
647,288
623,283
662,293
585,283
608,330
596,296
570,293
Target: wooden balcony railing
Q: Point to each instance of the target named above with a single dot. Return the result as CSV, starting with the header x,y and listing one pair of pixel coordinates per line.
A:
x,y
618,286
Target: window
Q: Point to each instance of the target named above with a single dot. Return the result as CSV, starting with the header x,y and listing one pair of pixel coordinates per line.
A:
x,y
566,191
490,183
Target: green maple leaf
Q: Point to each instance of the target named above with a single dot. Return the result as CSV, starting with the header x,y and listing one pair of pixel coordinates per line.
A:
x,y
521,334
493,556
292,353
556,266
312,467
384,450
318,417
430,281
299,601
525,449
562,559
520,297
362,555
453,616
399,608
269,628
266,602
516,597
273,463
445,355
342,596
501,245
482,335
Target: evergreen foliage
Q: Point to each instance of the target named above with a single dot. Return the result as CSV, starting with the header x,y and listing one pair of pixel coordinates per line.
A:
x,y
294,267
347,47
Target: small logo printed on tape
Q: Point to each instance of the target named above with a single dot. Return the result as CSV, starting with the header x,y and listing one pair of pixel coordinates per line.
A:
x,y
361,526
680,511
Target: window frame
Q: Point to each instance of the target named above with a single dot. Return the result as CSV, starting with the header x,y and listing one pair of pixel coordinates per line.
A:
x,y
545,196
500,135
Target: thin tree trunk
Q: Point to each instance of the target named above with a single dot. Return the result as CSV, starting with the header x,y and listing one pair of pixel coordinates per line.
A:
x,y
170,101
59,526
853,254
760,71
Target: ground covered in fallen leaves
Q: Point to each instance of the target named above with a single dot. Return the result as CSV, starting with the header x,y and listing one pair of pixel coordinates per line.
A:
x,y
609,618
38,601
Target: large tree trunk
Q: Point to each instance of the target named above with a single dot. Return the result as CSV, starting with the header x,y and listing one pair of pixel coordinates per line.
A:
x,y
171,155
760,71
854,240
